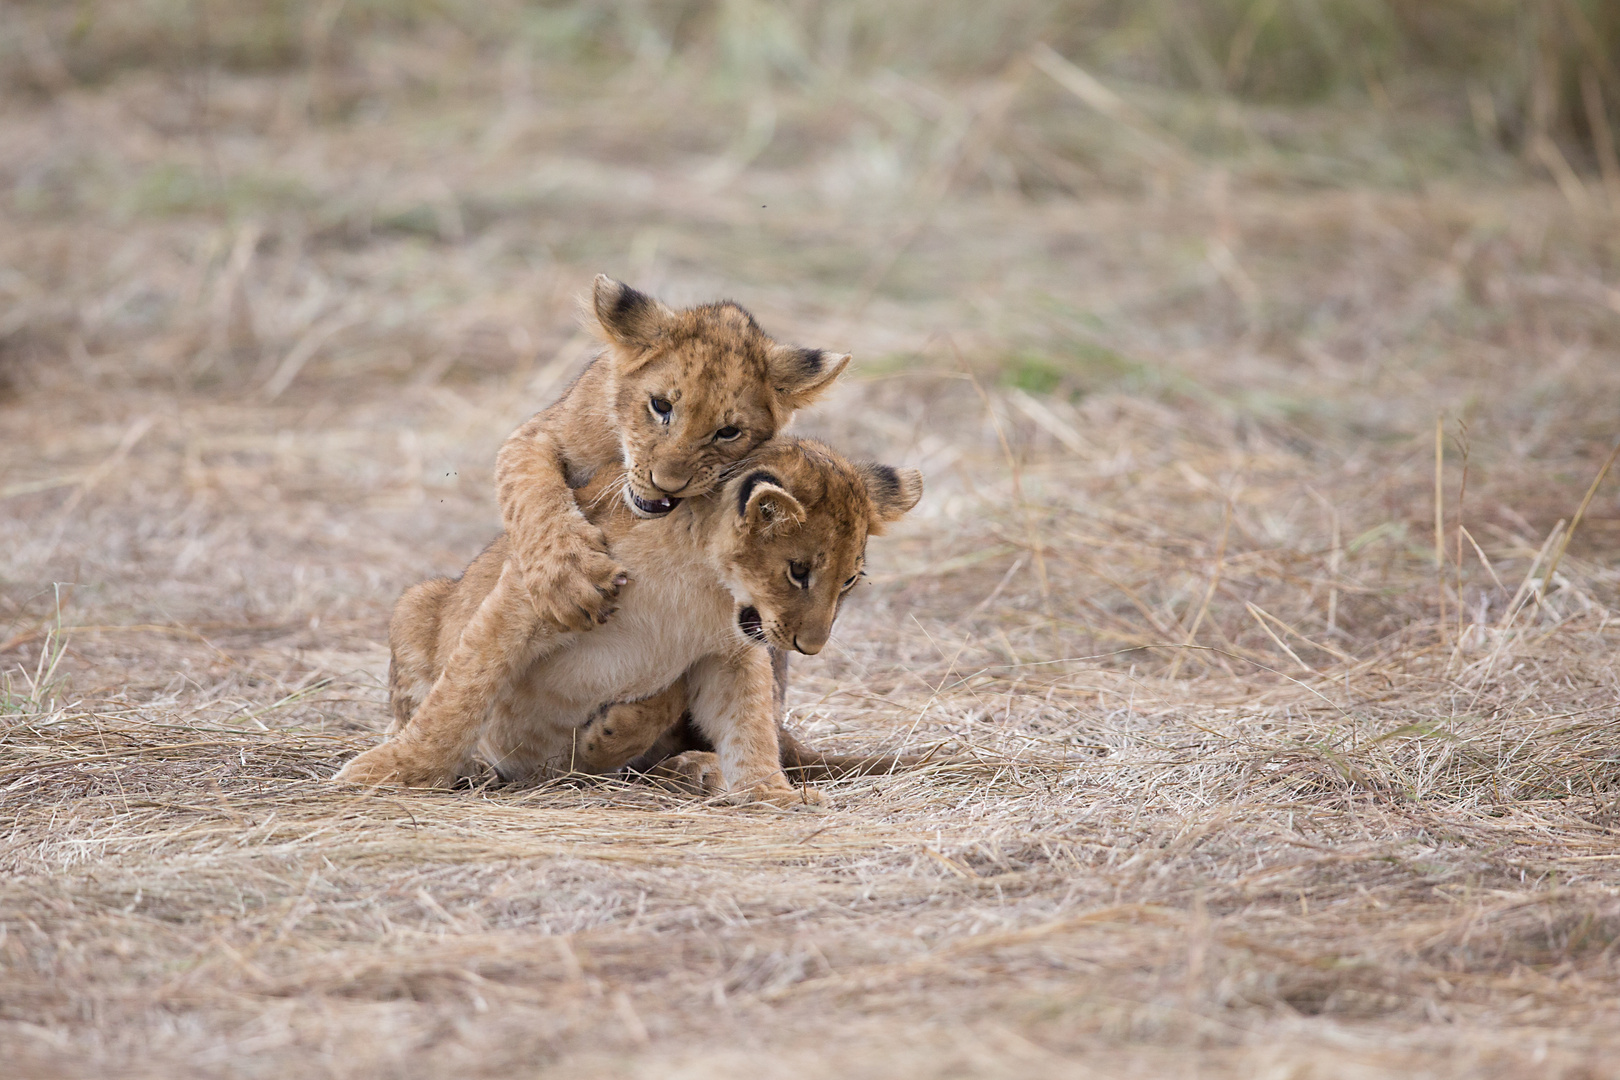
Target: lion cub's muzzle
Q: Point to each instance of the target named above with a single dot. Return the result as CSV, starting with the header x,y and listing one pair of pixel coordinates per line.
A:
x,y
650,508
752,625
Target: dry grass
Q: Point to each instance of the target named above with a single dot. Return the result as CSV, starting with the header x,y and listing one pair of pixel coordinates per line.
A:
x,y
1262,790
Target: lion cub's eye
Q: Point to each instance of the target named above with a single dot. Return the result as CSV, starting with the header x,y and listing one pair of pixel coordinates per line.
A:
x,y
727,433
800,573
662,407
853,578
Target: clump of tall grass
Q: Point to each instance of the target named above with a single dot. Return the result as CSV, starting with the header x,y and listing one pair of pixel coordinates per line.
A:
x,y
26,694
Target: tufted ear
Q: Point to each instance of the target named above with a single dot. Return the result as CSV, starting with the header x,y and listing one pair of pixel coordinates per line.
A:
x,y
800,375
764,504
628,317
892,491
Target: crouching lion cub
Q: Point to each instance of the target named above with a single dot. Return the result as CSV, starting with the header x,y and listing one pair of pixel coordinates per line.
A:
x,y
766,559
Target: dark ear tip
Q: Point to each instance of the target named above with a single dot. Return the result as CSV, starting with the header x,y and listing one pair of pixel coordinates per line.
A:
x,y
745,489
625,313
804,374
894,491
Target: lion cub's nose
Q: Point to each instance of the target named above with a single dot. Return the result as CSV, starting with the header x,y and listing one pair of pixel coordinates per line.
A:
x,y
669,482
809,643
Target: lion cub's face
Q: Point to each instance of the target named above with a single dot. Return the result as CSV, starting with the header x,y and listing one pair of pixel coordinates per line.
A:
x,y
800,515
697,390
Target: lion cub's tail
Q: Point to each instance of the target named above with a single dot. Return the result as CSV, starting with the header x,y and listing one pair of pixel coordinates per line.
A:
x,y
804,764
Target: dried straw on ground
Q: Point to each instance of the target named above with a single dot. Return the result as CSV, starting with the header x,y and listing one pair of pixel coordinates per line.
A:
x,y
1274,770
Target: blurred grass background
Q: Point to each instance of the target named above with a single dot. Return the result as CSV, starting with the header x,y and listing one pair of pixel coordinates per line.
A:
x,y
887,111
1474,84
1504,72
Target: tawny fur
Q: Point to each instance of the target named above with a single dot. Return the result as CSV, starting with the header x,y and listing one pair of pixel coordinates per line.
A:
x,y
785,537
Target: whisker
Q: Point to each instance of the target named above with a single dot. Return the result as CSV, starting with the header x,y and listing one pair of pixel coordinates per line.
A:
x,y
615,489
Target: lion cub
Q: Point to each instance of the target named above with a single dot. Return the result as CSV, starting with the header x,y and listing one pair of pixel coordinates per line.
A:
x,y
765,560
675,399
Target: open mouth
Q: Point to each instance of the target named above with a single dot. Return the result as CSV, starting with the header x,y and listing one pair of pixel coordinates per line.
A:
x,y
654,507
749,622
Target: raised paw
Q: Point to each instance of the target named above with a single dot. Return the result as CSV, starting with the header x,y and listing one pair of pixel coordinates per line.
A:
x,y
395,763
696,772
574,583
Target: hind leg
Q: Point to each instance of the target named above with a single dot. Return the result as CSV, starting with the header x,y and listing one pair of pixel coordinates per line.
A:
x,y
503,637
413,633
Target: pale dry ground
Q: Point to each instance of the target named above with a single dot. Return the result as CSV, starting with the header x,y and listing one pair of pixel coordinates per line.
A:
x,y
257,371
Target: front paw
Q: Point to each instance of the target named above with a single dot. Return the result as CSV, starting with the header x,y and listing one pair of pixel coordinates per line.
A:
x,y
575,584
783,795
394,763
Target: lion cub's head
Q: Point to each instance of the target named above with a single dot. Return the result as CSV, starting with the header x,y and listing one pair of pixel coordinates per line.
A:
x,y
799,518
696,390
